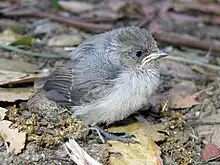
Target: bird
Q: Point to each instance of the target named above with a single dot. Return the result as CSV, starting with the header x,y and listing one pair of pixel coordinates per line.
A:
x,y
108,77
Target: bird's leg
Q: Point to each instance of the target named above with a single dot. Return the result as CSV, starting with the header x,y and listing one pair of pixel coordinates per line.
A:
x,y
99,133
122,137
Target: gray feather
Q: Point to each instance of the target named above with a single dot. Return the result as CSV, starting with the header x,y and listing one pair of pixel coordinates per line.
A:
x,y
99,81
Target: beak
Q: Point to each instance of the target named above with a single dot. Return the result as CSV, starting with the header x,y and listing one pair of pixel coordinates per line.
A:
x,y
153,57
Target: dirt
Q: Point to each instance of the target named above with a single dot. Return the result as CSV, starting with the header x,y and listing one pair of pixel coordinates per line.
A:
x,y
189,129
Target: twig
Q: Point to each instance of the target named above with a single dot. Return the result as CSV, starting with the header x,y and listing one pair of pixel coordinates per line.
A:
x,y
185,40
204,8
29,53
190,18
180,59
99,134
149,13
78,155
91,27
200,122
197,138
216,158
6,146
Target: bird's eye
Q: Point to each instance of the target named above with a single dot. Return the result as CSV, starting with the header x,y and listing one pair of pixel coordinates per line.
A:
x,y
138,53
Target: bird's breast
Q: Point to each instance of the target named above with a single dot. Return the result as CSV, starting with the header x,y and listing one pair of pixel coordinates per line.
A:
x,y
143,82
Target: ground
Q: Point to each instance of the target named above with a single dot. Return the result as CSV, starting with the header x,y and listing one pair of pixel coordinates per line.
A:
x,y
37,34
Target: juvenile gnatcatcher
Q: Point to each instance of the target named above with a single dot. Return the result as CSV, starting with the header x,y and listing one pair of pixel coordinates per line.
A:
x,y
108,77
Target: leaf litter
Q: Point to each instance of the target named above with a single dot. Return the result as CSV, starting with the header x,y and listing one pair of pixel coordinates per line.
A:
x,y
65,40
15,94
2,113
10,77
76,6
144,152
183,85
12,136
183,95
10,37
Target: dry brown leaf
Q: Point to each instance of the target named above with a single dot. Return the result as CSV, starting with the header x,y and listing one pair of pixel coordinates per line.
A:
x,y
183,95
8,36
2,113
184,102
65,40
14,25
178,70
14,94
210,132
48,28
10,77
210,151
12,136
75,6
15,65
147,152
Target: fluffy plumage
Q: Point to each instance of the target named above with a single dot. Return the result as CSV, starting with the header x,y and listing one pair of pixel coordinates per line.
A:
x,y
104,81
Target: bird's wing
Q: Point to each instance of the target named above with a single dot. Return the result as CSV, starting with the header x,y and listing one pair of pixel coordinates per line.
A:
x,y
57,85
79,80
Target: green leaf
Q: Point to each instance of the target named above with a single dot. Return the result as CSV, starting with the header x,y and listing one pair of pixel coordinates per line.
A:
x,y
24,40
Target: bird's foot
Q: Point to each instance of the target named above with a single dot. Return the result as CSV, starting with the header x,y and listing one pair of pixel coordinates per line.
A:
x,y
120,136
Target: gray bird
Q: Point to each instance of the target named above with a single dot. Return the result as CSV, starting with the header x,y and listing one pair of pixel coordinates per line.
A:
x,y
108,77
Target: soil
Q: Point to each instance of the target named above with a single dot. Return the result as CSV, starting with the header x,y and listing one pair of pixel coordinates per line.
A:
x,y
190,129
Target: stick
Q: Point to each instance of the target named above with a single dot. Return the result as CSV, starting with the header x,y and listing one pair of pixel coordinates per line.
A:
x,y
29,53
180,59
91,27
178,39
203,8
78,155
190,18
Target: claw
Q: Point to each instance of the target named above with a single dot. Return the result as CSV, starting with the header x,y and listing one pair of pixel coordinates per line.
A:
x,y
122,137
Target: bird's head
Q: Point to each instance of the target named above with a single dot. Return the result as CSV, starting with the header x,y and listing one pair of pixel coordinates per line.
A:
x,y
135,47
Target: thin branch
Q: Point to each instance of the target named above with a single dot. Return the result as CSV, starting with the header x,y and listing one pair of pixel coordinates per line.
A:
x,y
180,59
199,7
185,40
29,53
196,19
75,22
78,155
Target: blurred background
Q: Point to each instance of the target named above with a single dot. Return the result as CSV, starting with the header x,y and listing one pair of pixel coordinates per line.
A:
x,y
37,34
